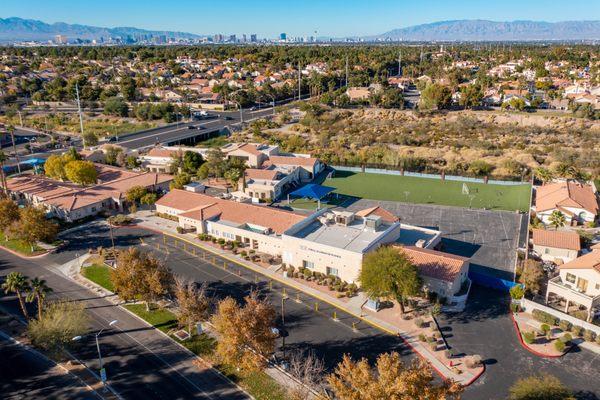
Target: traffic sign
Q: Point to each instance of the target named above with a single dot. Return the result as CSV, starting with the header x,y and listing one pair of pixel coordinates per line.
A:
x,y
103,375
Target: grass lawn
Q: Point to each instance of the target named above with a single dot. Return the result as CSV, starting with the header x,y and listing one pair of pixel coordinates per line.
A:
x,y
258,384
161,319
410,189
100,274
19,246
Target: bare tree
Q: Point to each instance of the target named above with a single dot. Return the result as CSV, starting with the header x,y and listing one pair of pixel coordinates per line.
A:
x,y
308,369
193,302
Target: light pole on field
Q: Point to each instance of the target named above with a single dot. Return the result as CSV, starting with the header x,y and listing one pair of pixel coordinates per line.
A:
x,y
272,103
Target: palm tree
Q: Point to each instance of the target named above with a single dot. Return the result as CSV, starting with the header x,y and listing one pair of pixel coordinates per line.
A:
x,y
3,159
544,175
557,219
17,283
38,292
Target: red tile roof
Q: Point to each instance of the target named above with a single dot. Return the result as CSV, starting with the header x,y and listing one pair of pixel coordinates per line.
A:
x,y
557,239
566,194
590,260
286,160
266,174
435,264
201,207
380,212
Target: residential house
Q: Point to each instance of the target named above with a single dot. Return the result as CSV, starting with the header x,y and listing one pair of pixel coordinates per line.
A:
x,y
577,201
577,287
556,246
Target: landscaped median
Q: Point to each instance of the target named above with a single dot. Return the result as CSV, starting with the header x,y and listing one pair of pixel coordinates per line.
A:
x,y
546,335
258,384
20,247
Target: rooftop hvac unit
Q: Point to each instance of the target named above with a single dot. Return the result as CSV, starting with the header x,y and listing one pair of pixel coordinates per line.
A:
x,y
420,243
372,222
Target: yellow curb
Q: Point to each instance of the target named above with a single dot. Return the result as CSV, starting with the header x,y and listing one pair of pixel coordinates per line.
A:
x,y
376,325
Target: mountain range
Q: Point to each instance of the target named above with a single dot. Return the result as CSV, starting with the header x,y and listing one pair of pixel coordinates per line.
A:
x,y
18,29
482,30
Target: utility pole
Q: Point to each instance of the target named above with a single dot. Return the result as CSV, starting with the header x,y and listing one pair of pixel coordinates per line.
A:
x,y
400,63
299,83
79,109
346,71
11,130
20,117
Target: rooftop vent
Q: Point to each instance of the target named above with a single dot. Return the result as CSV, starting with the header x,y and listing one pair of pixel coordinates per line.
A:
x,y
372,222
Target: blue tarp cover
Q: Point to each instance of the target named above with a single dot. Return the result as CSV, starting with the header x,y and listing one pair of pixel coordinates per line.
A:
x,y
312,191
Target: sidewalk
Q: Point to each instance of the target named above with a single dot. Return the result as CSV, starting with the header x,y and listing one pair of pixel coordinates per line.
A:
x,y
385,320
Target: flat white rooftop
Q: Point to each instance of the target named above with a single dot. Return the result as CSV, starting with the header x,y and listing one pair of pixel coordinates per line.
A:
x,y
353,237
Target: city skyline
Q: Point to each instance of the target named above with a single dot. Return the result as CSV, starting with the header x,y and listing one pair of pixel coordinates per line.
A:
x,y
269,18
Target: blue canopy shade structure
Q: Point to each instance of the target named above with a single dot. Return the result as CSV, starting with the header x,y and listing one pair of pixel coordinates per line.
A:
x,y
312,191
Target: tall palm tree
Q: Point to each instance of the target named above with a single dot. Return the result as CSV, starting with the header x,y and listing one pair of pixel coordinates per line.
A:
x,y
544,175
557,219
38,292
3,159
17,283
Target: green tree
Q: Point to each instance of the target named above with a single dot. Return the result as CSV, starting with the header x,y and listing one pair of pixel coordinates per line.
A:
x,y
544,387
435,97
233,176
480,168
54,167
58,325
215,159
132,162
18,284
33,226
557,219
116,106
203,171
128,88
470,96
544,174
387,273
180,180
9,213
3,159
81,172
149,199
192,161
111,154
38,293
135,193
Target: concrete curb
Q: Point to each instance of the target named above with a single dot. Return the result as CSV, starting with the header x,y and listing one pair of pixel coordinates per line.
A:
x,y
529,349
297,287
210,366
24,257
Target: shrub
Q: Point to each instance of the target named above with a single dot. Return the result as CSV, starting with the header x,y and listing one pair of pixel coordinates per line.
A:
x,y
589,336
433,346
431,339
528,337
545,328
474,361
179,229
120,220
577,330
566,338
544,317
559,345
422,338
565,325
515,307
517,292
419,322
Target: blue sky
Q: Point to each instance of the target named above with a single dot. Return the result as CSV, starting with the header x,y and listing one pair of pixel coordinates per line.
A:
x,y
267,18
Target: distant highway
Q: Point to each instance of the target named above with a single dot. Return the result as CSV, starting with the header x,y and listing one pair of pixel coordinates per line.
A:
x,y
181,131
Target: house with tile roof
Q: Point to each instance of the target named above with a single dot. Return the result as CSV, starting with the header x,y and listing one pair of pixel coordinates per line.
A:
x,y
556,246
577,287
577,201
71,202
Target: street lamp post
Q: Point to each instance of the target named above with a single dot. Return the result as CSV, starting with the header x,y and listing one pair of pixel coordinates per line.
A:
x,y
241,111
97,335
283,299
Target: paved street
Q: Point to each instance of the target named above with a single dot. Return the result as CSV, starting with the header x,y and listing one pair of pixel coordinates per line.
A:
x,y
26,374
141,363
307,329
485,328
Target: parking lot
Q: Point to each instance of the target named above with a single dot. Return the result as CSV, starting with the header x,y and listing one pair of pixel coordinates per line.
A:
x,y
489,238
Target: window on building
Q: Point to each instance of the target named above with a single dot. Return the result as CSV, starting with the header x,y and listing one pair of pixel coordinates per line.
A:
x,y
570,278
332,271
308,264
